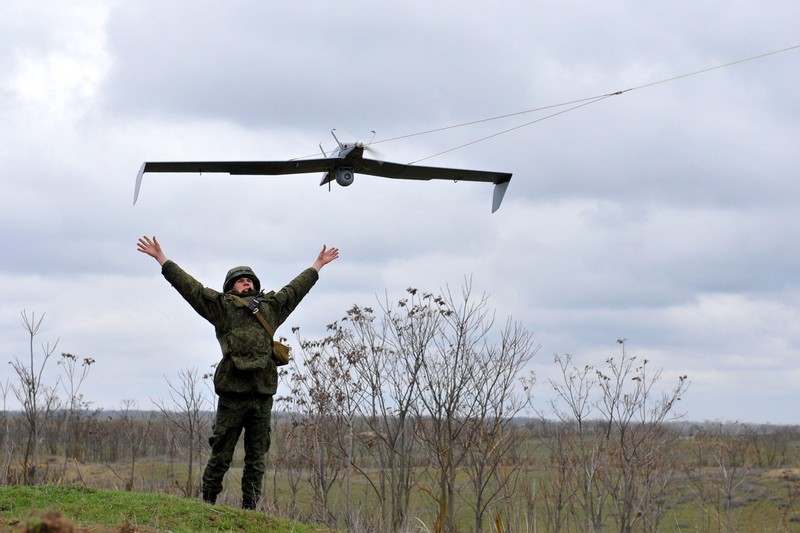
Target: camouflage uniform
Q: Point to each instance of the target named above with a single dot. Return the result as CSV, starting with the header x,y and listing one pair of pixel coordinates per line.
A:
x,y
246,379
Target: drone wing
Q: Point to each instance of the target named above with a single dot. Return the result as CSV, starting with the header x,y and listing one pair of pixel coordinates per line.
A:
x,y
253,168
359,165
414,172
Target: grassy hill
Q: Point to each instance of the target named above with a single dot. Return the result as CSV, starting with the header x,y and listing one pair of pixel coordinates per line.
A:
x,y
56,508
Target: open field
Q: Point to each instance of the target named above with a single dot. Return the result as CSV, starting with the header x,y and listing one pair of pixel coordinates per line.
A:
x,y
536,475
765,499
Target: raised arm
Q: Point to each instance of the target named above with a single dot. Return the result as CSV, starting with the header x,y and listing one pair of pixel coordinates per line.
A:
x,y
324,257
153,249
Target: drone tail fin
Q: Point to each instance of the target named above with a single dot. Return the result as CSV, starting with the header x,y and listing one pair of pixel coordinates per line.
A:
x,y
139,177
499,192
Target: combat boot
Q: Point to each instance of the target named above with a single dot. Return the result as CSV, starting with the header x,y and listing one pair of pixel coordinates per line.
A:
x,y
209,497
248,503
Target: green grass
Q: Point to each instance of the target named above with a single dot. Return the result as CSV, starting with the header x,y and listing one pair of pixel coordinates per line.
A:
x,y
24,507
764,503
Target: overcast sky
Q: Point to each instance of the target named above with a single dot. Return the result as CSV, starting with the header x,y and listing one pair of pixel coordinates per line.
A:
x,y
667,215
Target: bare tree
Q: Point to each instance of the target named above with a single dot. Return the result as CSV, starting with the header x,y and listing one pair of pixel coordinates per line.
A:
x,y
75,376
729,446
371,365
770,444
420,371
39,401
643,453
135,432
332,368
466,400
386,354
449,396
494,434
559,494
623,460
286,457
188,401
7,445
574,493
317,400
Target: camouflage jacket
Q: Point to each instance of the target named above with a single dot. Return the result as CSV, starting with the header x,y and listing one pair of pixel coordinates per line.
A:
x,y
247,367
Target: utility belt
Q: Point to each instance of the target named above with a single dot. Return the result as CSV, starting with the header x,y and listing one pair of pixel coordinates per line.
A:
x,y
246,396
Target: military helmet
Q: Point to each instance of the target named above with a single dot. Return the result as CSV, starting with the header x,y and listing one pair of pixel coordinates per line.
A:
x,y
240,272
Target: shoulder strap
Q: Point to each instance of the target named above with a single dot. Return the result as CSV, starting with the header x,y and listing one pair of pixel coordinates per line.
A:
x,y
258,315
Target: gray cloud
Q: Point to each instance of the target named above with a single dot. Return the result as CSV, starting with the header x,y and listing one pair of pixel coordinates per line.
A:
x,y
665,215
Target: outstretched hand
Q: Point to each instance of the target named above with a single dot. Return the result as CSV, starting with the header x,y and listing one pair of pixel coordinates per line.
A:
x,y
152,248
325,256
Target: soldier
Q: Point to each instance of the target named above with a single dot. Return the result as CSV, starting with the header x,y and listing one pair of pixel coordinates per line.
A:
x,y
247,377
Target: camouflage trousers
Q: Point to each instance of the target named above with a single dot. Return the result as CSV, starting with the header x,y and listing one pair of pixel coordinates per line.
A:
x,y
234,415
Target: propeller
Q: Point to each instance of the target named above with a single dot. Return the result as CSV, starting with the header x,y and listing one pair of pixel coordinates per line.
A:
x,y
324,174
376,154
367,147
349,140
